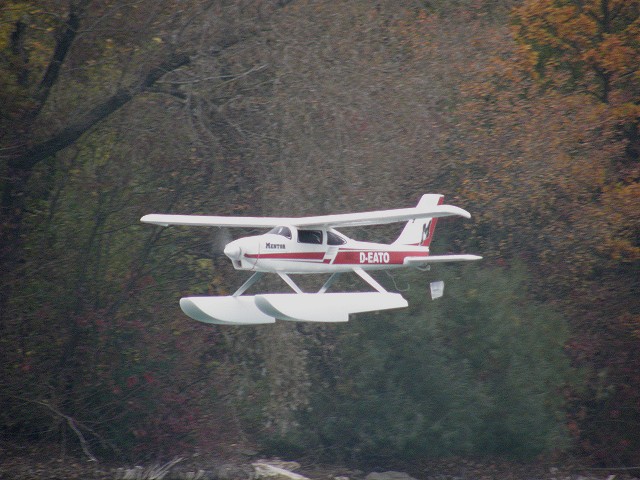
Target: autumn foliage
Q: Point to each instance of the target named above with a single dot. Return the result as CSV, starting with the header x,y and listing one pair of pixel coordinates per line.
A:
x,y
559,116
524,113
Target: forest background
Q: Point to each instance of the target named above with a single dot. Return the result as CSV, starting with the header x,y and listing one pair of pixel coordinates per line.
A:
x,y
524,113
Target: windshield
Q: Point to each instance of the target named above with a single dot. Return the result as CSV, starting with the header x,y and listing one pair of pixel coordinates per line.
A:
x,y
283,231
335,239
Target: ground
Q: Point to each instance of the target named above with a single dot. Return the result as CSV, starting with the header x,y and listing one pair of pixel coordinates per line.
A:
x,y
48,464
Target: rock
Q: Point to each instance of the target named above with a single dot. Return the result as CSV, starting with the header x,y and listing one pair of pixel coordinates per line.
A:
x,y
273,472
390,475
248,452
276,462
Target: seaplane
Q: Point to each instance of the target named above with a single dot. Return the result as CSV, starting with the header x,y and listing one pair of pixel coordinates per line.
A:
x,y
311,245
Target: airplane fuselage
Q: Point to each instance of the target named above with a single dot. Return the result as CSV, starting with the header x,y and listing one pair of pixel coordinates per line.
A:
x,y
292,250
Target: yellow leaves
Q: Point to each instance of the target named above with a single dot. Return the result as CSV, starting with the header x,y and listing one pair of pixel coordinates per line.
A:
x,y
622,250
622,219
584,51
545,23
632,322
627,111
627,196
580,46
205,264
616,55
26,44
14,11
537,162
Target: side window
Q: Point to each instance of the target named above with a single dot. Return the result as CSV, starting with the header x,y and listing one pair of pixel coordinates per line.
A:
x,y
334,239
310,236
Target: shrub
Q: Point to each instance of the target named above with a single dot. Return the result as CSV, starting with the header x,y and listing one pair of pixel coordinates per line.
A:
x,y
479,371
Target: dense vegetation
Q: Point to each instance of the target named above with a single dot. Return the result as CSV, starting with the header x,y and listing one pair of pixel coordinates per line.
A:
x,y
525,113
476,374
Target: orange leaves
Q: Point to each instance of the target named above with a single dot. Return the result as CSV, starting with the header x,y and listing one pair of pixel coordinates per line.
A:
x,y
622,218
547,24
616,54
591,46
536,165
554,171
572,135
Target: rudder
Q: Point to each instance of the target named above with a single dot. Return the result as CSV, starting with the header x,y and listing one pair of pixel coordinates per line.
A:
x,y
420,231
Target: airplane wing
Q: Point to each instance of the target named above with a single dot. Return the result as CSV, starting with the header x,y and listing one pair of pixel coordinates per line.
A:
x,y
381,216
416,261
342,220
216,221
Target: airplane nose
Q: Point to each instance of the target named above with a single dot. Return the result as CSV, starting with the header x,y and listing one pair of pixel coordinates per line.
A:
x,y
233,251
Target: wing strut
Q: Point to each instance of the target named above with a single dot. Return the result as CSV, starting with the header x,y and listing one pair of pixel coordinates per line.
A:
x,y
290,282
246,285
370,280
330,281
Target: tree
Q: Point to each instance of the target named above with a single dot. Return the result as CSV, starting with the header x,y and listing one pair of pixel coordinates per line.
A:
x,y
479,372
587,47
590,48
88,145
550,163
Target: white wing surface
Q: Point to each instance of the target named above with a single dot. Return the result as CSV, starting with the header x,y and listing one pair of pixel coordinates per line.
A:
x,y
342,220
215,221
380,217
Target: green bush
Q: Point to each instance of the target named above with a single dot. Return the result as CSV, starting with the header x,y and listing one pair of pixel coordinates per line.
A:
x,y
479,371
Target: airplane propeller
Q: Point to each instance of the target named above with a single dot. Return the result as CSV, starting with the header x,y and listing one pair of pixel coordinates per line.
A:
x,y
220,237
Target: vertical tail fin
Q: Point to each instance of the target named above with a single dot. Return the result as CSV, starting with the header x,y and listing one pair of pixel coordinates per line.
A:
x,y
420,231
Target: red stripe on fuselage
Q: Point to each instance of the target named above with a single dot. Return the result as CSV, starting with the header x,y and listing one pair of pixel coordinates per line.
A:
x,y
368,257
289,256
345,257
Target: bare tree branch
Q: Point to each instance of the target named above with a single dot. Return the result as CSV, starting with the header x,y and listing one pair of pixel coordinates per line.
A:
x,y
71,133
60,52
73,424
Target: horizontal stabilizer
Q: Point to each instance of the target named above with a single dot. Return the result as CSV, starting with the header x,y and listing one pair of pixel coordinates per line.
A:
x,y
416,261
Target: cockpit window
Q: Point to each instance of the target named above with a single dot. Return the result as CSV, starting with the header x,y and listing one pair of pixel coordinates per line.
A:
x,y
335,239
310,236
283,231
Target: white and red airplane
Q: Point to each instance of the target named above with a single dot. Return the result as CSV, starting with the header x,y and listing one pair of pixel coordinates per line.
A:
x,y
303,245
